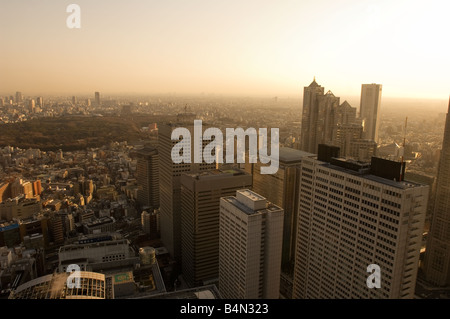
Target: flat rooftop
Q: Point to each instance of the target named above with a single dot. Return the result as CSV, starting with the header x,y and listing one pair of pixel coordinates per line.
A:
x,y
368,176
247,210
204,292
217,173
290,155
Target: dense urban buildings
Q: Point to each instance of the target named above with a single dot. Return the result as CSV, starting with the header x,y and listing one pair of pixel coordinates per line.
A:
x,y
73,203
437,257
326,121
250,242
352,215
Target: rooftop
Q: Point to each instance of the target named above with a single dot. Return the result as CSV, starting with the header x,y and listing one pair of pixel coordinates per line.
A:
x,y
289,155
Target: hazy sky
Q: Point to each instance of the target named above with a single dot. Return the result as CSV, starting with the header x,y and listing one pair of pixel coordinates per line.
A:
x,y
226,47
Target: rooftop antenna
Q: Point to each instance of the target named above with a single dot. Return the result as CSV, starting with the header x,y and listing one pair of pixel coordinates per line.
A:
x,y
403,153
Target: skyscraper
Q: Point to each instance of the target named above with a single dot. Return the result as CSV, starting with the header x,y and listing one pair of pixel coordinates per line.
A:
x,y
19,97
200,206
169,181
250,241
353,215
31,105
282,189
147,175
437,255
40,102
97,98
370,109
74,100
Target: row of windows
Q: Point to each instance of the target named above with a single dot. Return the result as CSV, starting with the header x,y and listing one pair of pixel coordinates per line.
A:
x,y
388,202
353,190
371,204
390,211
390,219
392,193
373,197
337,176
333,190
338,185
354,181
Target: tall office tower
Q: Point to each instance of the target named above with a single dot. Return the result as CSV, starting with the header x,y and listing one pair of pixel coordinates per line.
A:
x,y
74,100
353,215
2,102
200,206
344,114
150,222
31,105
250,241
309,116
370,109
169,181
97,98
282,189
437,255
40,102
19,97
88,102
321,113
147,172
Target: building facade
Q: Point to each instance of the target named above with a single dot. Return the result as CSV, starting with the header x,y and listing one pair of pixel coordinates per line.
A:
x,y
349,218
250,242
370,110
200,206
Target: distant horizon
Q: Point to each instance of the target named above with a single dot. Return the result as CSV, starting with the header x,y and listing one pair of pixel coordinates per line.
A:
x,y
240,48
298,96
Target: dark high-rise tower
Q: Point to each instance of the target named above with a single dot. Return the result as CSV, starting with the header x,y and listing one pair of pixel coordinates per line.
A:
x,y
200,207
170,185
147,172
309,116
437,255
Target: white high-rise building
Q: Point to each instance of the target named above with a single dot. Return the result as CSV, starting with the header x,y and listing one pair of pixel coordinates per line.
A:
x,y
352,215
250,245
370,110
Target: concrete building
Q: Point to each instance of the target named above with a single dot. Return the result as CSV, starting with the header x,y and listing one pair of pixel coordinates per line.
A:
x,y
98,256
282,189
169,181
200,206
370,109
250,242
147,171
151,223
97,99
100,225
9,234
19,208
352,215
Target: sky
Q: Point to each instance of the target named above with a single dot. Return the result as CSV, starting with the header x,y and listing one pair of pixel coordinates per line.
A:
x,y
243,47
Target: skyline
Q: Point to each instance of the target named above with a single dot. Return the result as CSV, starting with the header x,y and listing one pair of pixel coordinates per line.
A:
x,y
232,48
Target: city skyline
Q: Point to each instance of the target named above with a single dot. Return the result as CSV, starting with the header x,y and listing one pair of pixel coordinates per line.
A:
x,y
252,48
